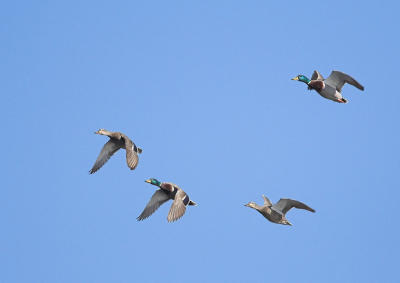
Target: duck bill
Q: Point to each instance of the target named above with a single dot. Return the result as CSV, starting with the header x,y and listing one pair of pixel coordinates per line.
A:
x,y
148,181
295,79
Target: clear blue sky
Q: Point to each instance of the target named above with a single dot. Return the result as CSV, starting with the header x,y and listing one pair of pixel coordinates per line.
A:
x,y
204,88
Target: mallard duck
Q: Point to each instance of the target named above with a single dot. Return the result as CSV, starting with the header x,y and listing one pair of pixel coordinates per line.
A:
x,y
277,213
330,88
117,140
166,192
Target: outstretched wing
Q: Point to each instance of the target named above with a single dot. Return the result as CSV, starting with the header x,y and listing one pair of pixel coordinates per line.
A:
x,y
158,198
267,202
338,79
316,76
285,204
106,152
132,158
178,207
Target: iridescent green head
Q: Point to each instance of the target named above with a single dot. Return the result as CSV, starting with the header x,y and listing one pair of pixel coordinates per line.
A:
x,y
153,181
302,78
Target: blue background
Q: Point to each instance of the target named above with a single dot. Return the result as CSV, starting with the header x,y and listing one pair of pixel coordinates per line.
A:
x,y
204,88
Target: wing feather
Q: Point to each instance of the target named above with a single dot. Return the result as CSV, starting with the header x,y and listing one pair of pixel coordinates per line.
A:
x,y
316,76
285,205
158,198
178,207
110,147
337,79
132,158
267,201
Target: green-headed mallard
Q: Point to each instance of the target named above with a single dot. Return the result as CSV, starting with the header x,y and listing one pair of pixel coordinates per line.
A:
x,y
166,192
277,213
330,88
117,140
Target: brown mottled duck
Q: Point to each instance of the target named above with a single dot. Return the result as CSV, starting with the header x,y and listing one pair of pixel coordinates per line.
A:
x,y
277,213
117,140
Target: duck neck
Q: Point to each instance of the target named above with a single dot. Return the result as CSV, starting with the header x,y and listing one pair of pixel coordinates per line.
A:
x,y
258,207
305,80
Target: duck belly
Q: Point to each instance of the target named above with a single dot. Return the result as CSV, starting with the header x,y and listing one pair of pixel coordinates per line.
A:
x,y
331,93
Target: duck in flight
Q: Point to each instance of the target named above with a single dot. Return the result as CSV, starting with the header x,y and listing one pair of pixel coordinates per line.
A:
x,y
331,87
166,192
276,213
117,140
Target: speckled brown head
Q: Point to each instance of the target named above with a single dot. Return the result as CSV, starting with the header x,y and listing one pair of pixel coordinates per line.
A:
x,y
251,204
101,132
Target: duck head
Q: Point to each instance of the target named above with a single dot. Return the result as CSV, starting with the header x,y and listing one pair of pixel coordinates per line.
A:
x,y
102,132
251,204
302,78
153,181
